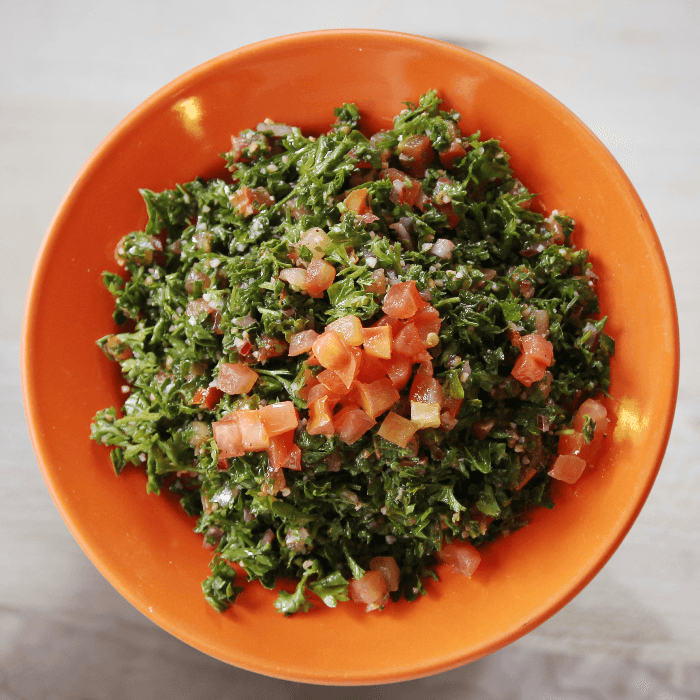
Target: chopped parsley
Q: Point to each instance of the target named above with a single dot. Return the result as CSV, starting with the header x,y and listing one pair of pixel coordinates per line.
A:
x,y
204,285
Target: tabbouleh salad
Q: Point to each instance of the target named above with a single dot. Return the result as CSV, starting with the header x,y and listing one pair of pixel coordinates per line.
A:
x,y
355,357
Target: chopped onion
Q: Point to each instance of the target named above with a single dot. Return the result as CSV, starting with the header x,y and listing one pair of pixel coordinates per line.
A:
x,y
442,248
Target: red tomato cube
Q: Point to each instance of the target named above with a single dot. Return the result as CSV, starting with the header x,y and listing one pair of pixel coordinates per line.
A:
x,y
278,418
236,378
351,423
567,468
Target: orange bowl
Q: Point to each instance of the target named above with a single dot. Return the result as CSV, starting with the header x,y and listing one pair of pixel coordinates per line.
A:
x,y
144,545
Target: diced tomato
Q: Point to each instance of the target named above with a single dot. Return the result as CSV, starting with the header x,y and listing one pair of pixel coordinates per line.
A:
x,y
408,344
320,418
371,590
301,342
425,388
319,390
350,329
425,415
567,468
332,381
448,417
377,397
331,351
351,423
461,556
372,368
399,371
227,435
452,153
415,154
283,453
442,202
274,483
571,444
528,370
378,284
349,372
117,349
319,276
309,382
271,347
357,201
278,418
403,300
377,342
406,190
397,429
250,201
537,348
389,569
427,320
207,398
597,412
254,438
236,378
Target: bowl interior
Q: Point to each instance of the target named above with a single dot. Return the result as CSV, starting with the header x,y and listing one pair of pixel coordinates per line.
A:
x,y
145,546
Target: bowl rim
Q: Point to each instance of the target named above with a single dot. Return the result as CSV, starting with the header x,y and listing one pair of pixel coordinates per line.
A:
x,y
30,392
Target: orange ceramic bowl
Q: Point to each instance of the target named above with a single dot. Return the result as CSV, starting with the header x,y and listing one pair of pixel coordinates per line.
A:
x,y
145,546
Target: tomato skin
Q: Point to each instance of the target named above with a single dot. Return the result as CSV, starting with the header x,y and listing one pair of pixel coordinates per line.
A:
x,y
351,423
567,468
461,556
370,590
301,342
236,378
538,348
528,370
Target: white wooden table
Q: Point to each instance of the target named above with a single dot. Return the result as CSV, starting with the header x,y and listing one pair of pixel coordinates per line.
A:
x,y
70,71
